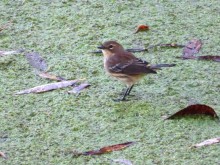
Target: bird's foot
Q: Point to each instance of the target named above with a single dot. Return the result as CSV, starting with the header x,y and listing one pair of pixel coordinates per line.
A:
x,y
120,99
122,93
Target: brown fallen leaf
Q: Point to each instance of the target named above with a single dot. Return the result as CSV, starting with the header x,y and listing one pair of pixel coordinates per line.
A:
x,y
208,58
2,154
191,48
48,87
107,149
193,110
142,28
80,87
207,142
36,61
211,58
50,76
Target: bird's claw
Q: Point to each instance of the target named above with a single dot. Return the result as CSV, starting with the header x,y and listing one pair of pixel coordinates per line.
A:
x,y
119,100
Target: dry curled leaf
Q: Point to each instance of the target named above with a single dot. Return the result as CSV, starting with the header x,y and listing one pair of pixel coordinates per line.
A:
x,y
48,87
191,48
2,154
50,76
36,61
107,149
207,142
142,28
79,88
196,109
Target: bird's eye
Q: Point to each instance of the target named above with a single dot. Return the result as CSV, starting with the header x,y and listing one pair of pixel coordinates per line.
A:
x,y
111,46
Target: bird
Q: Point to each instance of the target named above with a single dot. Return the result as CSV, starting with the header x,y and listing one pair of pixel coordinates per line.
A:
x,y
125,67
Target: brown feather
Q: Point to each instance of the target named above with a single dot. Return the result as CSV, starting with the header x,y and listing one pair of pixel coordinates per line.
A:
x,y
126,63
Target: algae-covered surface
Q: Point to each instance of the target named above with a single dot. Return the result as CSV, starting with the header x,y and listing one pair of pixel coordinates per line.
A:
x,y
45,128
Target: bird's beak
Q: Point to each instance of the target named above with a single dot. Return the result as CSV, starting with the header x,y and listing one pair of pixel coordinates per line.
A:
x,y
101,47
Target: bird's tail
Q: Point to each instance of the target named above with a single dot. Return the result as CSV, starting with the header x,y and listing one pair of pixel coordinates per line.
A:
x,y
159,66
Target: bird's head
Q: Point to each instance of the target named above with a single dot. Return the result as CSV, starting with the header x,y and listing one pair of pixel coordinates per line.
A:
x,y
111,47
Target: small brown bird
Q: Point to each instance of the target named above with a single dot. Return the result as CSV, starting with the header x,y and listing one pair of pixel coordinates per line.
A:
x,y
124,66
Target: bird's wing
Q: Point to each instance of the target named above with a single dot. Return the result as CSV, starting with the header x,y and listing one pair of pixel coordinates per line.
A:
x,y
131,67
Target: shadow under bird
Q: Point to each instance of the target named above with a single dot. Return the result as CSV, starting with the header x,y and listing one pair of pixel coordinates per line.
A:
x,y
125,67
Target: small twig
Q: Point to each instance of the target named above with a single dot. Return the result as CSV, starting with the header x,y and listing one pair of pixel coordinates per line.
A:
x,y
48,87
137,50
187,57
172,45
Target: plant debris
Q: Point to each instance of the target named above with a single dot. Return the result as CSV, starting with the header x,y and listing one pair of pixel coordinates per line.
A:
x,y
196,109
189,51
171,45
122,161
36,61
107,149
191,48
2,154
208,58
142,28
207,142
48,87
3,53
50,76
79,88
211,58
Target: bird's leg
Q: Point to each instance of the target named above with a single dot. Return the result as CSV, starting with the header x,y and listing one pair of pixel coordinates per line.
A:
x,y
130,90
124,95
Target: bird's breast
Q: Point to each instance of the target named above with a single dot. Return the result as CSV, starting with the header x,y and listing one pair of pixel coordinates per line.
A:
x,y
106,64
107,57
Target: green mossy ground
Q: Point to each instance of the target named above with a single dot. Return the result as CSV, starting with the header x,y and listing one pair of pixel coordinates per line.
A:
x,y
43,128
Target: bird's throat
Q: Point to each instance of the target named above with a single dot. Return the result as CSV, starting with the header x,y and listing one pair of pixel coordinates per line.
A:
x,y
107,53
